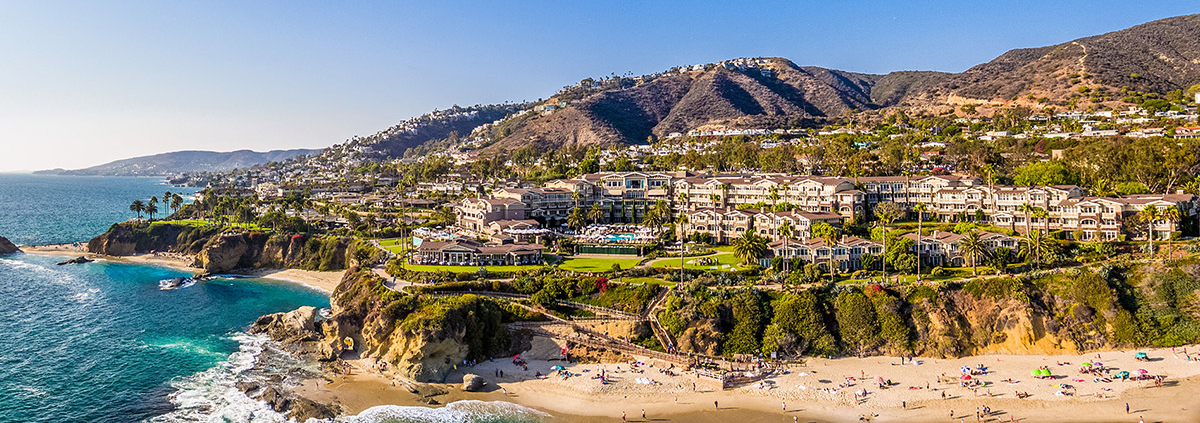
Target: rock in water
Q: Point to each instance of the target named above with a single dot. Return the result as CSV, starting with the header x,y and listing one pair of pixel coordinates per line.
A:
x,y
77,260
7,247
472,383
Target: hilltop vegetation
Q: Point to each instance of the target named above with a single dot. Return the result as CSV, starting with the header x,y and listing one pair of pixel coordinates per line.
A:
x,y
1113,306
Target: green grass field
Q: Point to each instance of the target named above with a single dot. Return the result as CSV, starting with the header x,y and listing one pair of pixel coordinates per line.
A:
x,y
722,259
469,269
650,281
596,264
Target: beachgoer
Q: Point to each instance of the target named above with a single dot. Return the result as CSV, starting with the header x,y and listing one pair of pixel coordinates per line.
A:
x,y
785,406
643,414
1126,408
716,406
622,416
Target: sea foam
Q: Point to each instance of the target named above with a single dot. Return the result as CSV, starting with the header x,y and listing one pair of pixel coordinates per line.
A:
x,y
467,411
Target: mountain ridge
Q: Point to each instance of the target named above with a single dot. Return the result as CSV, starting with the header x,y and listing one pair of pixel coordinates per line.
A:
x,y
184,161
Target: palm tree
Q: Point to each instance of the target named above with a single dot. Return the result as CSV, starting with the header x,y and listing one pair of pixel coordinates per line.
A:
x,y
1028,210
1171,215
576,196
785,231
1035,246
832,238
1151,214
652,219
972,246
137,207
774,196
595,213
725,194
886,213
663,211
576,219
166,198
176,202
920,208
1041,213
151,209
680,222
749,247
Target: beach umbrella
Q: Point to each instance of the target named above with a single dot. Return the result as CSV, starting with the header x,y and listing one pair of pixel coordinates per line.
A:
x,y
1086,364
966,377
879,379
1035,372
1142,371
1140,355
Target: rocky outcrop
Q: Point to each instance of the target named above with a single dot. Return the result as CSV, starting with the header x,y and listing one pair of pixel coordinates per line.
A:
x,y
473,383
222,254
291,327
219,251
76,260
282,401
420,339
7,247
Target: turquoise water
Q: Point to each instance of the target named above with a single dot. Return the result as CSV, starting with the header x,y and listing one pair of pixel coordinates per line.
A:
x,y
101,342
45,209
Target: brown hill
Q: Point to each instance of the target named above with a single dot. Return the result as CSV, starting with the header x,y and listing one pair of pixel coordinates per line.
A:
x,y
770,90
1158,56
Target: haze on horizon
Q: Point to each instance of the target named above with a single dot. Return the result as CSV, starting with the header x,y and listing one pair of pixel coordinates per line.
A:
x,y
87,83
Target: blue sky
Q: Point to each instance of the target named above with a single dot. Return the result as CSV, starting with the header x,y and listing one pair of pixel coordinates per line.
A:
x,y
88,82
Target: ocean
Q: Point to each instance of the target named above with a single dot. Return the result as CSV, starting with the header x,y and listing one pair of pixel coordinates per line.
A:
x,y
102,342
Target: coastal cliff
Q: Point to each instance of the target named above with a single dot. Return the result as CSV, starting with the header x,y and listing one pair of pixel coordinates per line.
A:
x,y
1117,305
217,251
420,338
7,247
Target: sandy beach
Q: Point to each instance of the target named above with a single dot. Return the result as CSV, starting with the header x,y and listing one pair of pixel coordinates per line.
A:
x,y
820,391
321,281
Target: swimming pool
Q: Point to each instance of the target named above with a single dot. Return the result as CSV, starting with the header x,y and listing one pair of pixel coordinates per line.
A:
x,y
619,237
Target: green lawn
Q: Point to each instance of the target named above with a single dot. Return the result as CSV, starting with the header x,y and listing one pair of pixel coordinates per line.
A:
x,y
690,263
596,264
649,281
469,269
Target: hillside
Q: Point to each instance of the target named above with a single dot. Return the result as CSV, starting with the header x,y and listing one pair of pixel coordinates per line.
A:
x,y
184,161
1158,56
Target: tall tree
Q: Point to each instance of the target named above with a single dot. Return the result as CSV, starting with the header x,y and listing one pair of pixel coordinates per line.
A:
x,y
1035,245
1028,210
920,209
1150,214
576,220
885,214
972,246
785,232
1172,215
595,213
138,207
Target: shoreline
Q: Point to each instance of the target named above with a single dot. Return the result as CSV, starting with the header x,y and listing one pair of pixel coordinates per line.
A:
x,y
324,282
580,398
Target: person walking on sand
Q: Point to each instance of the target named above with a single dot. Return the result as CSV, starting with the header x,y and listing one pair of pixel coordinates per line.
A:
x,y
785,406
716,406
1126,408
622,416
